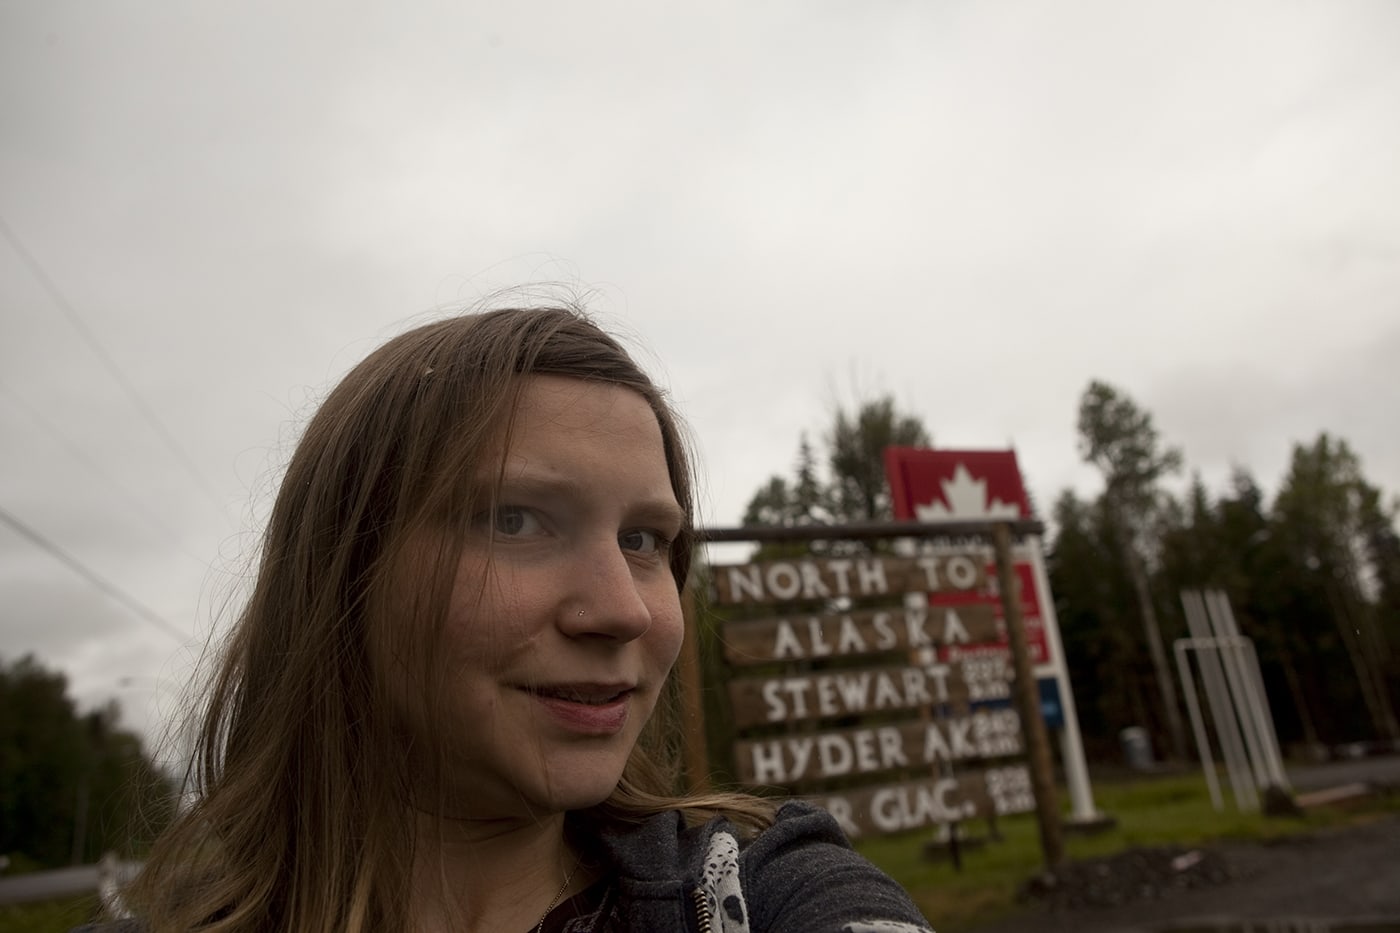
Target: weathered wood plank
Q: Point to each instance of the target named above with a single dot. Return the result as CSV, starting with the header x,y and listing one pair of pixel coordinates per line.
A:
x,y
892,808
858,691
792,760
869,631
815,579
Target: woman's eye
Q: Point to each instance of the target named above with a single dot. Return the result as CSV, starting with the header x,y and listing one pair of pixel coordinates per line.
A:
x,y
643,541
513,520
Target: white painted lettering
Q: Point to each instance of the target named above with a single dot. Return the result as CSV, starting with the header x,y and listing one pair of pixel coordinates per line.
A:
x,y
840,810
935,746
886,694
891,748
957,730
929,565
886,634
744,581
935,805
871,574
914,621
961,572
841,569
801,749
833,755
797,688
786,643
820,648
776,709
915,688
897,808
850,641
784,581
939,674
884,810
854,690
954,632
827,702
864,742
812,585
768,763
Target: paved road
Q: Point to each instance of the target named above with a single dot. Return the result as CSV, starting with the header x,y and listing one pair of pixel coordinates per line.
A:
x,y
60,882
1344,874
1311,882
1381,769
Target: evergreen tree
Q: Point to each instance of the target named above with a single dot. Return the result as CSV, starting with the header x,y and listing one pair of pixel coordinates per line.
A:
x,y
1336,533
1121,440
1093,596
72,785
856,445
854,489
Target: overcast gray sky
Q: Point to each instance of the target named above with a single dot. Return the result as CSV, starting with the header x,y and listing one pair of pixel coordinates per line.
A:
x,y
976,207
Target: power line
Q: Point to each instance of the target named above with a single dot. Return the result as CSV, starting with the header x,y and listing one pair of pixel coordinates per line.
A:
x,y
71,313
83,457
78,567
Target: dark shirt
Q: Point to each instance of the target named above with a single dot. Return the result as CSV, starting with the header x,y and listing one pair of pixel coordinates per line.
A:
x,y
579,914
798,876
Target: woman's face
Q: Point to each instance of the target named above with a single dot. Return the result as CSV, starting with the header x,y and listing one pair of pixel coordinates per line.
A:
x,y
564,619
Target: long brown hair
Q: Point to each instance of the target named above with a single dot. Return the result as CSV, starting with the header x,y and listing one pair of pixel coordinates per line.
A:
x,y
296,754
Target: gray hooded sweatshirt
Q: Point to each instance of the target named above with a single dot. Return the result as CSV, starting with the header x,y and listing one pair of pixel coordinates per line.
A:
x,y
798,876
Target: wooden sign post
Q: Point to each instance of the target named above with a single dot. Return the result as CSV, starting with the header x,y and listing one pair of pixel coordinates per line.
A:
x,y
1028,701
892,717
695,756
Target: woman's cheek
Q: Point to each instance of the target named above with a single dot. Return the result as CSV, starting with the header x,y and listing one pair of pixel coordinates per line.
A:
x,y
673,635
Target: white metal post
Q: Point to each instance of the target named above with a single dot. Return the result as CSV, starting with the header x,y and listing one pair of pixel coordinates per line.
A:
x,y
1218,696
1242,705
1081,793
1251,682
1198,726
1271,734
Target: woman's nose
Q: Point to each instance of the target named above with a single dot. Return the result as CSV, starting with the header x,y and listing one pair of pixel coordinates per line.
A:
x,y
607,599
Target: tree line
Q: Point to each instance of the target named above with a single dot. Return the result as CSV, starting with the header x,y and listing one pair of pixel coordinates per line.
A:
x,y
73,785
1313,576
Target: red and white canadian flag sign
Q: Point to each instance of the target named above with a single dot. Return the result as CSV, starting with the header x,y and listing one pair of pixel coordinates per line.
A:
x,y
970,485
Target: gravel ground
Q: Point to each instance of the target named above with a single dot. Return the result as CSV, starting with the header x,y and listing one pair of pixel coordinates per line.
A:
x,y
1307,882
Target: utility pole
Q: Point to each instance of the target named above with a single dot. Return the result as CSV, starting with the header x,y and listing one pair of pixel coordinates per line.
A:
x,y
1041,767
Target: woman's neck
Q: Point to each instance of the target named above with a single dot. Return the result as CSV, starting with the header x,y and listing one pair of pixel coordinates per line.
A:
x,y
500,875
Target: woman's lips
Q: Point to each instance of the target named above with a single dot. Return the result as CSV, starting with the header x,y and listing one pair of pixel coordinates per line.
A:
x,y
586,709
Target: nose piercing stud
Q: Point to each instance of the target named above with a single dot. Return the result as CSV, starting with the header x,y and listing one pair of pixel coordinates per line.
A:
x,y
580,612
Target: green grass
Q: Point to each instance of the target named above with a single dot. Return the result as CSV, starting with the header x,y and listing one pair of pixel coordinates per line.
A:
x,y
1151,811
58,916
1154,811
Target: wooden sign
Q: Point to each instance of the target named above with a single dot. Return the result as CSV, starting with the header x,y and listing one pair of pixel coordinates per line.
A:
x,y
797,759
858,691
804,638
811,579
892,808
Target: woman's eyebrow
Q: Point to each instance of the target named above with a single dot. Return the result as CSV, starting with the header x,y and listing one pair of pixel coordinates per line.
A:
x,y
664,512
659,509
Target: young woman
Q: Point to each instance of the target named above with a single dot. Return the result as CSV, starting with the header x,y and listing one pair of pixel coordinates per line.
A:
x,y
444,707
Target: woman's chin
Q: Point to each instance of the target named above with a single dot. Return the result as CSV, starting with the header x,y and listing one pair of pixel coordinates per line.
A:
x,y
580,794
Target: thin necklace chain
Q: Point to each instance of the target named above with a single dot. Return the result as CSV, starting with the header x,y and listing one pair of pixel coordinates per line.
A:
x,y
539,927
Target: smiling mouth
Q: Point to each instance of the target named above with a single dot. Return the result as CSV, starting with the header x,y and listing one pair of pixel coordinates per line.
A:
x,y
593,710
588,696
